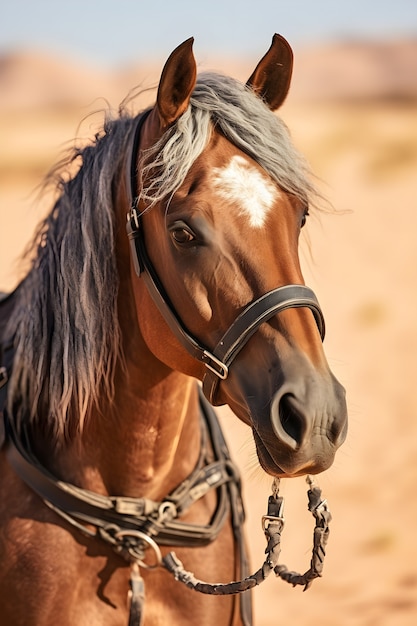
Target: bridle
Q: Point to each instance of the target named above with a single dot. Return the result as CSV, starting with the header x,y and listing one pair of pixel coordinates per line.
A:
x,y
219,359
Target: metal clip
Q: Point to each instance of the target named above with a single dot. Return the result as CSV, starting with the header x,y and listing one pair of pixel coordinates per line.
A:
x,y
166,511
275,509
311,481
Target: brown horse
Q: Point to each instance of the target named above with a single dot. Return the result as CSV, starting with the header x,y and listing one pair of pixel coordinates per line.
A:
x,y
109,338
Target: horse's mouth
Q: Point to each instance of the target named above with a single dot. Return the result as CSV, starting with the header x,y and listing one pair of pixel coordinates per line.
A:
x,y
266,459
288,466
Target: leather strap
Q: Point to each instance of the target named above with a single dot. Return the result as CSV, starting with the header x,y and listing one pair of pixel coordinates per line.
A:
x,y
255,314
143,265
145,269
157,519
219,360
147,521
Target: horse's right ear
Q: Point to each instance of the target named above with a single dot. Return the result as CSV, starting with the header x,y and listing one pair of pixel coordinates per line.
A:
x,y
272,76
176,83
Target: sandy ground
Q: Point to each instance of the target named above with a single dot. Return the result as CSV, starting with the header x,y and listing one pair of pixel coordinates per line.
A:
x,y
362,264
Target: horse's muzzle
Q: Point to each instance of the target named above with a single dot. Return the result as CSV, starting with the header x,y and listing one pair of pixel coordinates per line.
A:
x,y
300,428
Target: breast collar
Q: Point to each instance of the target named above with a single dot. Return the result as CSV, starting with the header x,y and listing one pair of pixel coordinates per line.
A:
x,y
115,516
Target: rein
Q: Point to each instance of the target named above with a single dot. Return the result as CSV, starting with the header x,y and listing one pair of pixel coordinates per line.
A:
x,y
272,524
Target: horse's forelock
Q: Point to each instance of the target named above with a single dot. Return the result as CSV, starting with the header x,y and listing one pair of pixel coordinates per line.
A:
x,y
228,105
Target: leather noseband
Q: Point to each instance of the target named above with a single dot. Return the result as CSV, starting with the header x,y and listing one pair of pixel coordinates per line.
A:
x,y
218,360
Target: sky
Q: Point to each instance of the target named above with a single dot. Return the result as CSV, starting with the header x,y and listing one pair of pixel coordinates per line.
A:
x,y
118,32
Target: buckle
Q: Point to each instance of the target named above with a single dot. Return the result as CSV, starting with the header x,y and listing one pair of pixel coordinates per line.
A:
x,y
132,219
272,519
215,365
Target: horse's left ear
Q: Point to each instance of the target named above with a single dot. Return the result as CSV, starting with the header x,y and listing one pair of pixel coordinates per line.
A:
x,y
272,76
177,83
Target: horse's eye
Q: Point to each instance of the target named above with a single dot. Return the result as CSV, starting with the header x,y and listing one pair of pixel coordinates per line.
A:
x,y
182,235
304,218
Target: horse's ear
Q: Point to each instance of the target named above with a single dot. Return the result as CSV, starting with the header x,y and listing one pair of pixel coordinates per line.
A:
x,y
177,83
272,76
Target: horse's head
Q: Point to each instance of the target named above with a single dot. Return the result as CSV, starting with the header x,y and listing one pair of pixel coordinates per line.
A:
x,y
222,196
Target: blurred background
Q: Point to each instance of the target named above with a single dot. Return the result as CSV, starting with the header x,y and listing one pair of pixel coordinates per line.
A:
x,y
352,111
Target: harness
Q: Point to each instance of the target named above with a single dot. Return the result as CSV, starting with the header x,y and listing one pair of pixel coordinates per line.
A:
x,y
136,527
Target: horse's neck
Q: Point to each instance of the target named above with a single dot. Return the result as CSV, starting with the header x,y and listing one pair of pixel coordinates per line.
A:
x,y
144,445
154,440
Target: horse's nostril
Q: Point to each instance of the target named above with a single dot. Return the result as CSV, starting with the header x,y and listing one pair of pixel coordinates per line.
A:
x,y
288,424
290,420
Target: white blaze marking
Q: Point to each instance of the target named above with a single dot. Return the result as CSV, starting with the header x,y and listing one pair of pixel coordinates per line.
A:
x,y
242,184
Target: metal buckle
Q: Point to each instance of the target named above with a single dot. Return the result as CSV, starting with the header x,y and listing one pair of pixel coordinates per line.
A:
x,y
124,506
272,519
133,215
222,372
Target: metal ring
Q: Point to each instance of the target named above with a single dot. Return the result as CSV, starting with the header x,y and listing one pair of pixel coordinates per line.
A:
x,y
150,543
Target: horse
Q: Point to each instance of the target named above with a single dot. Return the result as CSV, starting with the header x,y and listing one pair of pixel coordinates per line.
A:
x,y
165,280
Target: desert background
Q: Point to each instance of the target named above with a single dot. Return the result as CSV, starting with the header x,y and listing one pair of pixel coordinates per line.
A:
x,y
352,111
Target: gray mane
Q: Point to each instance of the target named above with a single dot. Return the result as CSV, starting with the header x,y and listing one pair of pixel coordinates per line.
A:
x,y
67,336
225,104
66,327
